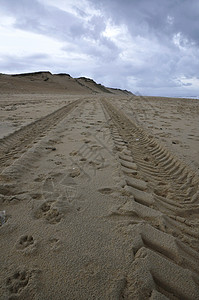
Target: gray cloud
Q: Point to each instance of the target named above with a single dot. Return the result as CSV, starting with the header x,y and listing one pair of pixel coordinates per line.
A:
x,y
173,25
35,17
163,18
157,52
28,63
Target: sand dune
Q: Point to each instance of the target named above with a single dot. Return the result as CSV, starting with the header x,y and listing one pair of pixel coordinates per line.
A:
x,y
45,82
96,201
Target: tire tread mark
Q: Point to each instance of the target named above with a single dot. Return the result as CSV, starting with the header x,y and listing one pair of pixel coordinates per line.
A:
x,y
18,141
169,243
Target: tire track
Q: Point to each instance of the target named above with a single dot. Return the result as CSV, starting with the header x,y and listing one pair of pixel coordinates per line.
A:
x,y
20,140
177,222
166,176
165,197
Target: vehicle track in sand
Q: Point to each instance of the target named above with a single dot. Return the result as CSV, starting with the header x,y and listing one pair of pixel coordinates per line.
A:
x,y
17,142
154,204
164,195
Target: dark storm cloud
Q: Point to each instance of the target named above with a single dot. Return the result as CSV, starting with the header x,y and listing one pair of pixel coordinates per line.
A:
x,y
171,24
162,18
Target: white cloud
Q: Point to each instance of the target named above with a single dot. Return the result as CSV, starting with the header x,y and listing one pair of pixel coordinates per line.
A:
x,y
190,82
19,42
6,22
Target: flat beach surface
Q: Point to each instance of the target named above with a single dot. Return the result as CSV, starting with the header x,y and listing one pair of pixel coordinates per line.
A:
x,y
99,197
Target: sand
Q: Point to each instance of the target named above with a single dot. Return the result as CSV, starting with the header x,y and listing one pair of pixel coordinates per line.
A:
x,y
101,197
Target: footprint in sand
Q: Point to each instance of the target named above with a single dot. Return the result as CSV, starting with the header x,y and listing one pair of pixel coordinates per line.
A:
x,y
47,212
60,192
74,172
26,244
17,282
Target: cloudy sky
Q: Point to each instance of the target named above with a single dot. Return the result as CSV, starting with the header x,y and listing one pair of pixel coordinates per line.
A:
x,y
147,46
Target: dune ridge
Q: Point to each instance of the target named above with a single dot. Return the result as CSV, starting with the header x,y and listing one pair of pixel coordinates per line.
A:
x,y
46,82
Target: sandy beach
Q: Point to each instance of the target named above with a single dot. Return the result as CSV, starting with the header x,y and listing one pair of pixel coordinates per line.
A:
x,y
99,192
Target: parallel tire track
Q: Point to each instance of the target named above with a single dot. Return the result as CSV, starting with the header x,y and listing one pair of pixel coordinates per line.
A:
x,y
166,198
18,141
